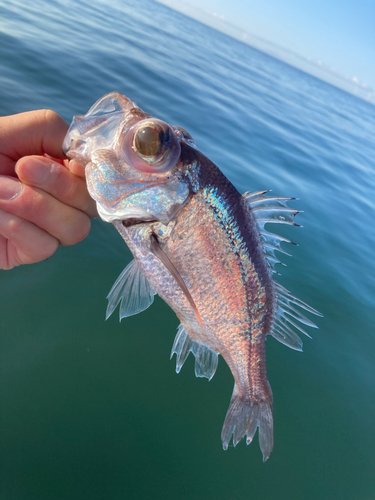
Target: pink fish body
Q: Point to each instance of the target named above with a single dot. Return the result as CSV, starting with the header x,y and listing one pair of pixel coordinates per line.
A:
x,y
199,244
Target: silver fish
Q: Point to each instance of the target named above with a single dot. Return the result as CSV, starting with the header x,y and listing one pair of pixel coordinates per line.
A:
x,y
199,244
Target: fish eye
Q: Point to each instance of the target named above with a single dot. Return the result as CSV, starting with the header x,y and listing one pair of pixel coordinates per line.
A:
x,y
151,146
148,140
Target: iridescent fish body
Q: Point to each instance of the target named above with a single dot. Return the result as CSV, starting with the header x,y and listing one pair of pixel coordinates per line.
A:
x,y
199,244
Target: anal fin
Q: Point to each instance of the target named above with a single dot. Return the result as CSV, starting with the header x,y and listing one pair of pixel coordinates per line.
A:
x,y
206,360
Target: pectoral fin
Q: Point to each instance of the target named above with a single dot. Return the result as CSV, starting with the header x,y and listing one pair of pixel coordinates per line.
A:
x,y
163,257
132,290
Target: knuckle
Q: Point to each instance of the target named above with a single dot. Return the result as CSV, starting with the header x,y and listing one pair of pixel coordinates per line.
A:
x,y
46,117
49,123
52,118
15,225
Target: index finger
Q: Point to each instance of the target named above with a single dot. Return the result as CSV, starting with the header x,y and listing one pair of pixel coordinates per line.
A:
x,y
32,133
58,181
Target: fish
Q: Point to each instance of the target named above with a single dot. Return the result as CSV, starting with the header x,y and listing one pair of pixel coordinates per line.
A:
x,y
197,243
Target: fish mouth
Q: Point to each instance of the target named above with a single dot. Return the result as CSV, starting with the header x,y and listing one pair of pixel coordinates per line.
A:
x,y
74,145
99,127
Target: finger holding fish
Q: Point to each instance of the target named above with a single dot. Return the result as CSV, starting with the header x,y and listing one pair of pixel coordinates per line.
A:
x,y
58,181
66,224
35,132
43,196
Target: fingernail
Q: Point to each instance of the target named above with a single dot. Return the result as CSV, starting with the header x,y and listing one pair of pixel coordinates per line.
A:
x,y
9,188
34,170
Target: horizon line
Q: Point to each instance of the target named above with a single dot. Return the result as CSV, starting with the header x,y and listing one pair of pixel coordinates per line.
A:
x,y
349,84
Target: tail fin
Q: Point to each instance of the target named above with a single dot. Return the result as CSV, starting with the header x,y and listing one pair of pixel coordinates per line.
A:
x,y
244,416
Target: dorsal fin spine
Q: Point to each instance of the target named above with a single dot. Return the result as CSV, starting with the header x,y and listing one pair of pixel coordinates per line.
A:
x,y
274,210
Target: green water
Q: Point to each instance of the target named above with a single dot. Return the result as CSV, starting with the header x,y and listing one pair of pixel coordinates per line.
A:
x,y
93,409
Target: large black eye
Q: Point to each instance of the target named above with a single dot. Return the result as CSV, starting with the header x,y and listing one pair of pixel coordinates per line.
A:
x,y
148,141
151,146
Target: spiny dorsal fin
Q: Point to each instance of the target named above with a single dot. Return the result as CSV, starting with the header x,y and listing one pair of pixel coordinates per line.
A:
x,y
274,209
132,290
206,359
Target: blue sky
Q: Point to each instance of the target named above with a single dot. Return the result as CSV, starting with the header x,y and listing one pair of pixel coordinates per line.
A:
x,y
337,35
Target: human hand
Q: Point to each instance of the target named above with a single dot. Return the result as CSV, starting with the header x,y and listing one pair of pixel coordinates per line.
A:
x,y
44,201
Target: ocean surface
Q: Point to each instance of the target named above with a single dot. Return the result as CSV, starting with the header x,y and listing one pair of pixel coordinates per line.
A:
x,y
93,410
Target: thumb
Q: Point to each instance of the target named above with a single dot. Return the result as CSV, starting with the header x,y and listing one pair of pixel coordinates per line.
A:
x,y
31,133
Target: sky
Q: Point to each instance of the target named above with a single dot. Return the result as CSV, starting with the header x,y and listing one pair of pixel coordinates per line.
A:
x,y
332,39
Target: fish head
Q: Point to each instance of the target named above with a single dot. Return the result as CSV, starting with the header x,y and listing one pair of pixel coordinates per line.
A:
x,y
132,160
